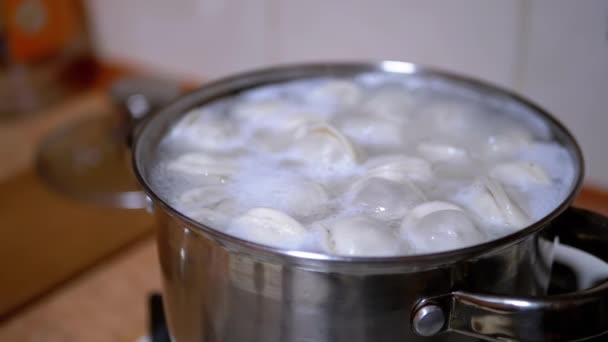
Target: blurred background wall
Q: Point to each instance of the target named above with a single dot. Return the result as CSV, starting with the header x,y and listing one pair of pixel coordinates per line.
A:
x,y
554,51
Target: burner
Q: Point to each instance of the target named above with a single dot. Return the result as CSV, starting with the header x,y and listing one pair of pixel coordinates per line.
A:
x,y
157,323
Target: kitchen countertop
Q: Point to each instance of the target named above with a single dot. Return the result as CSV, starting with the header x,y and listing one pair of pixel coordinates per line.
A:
x,y
107,303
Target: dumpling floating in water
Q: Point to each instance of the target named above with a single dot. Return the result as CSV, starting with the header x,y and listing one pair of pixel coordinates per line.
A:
x,y
521,174
442,152
258,111
209,204
294,196
361,236
506,143
489,201
211,167
400,168
217,217
338,93
323,144
202,129
205,196
451,119
384,199
439,226
367,130
269,227
392,102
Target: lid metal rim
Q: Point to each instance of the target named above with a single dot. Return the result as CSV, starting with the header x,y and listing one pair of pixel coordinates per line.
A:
x,y
283,72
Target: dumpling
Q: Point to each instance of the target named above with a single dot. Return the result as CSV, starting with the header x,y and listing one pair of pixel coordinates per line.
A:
x,y
277,115
213,168
339,93
391,102
204,129
217,217
436,151
304,199
555,160
368,130
259,110
323,143
208,204
268,227
439,226
382,198
506,143
489,201
400,168
295,197
521,174
361,236
276,137
450,118
205,196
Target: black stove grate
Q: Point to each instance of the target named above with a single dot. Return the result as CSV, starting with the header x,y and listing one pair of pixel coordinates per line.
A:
x,y
156,319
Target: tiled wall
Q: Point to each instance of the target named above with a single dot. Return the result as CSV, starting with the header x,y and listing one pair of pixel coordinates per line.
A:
x,y
555,51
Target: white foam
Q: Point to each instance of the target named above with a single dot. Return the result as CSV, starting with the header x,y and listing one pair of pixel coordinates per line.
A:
x,y
278,168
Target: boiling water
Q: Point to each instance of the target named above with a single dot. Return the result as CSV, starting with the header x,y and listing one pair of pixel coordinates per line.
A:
x,y
369,166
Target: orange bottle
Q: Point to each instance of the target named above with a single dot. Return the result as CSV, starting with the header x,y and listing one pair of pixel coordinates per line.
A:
x,y
46,53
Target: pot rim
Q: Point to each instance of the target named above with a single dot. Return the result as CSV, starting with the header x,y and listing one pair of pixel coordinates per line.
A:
x,y
250,79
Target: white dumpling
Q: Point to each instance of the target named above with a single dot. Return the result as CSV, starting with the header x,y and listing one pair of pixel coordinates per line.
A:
x,y
341,93
506,143
280,187
391,102
489,201
324,144
361,236
203,129
305,199
436,151
260,110
555,159
276,115
439,226
521,174
213,168
208,204
269,227
276,137
203,197
297,198
368,130
450,118
383,199
210,217
270,116
217,217
400,168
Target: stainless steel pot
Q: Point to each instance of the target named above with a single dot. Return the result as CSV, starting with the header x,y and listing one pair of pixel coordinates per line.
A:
x,y
220,288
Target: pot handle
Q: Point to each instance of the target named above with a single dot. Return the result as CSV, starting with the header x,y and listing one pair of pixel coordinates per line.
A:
x,y
138,97
563,317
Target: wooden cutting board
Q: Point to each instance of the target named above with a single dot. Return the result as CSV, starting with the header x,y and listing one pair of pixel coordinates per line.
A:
x,y
47,238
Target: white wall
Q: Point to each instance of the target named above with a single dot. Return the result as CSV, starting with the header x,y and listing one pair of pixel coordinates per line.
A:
x,y
565,68
555,51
